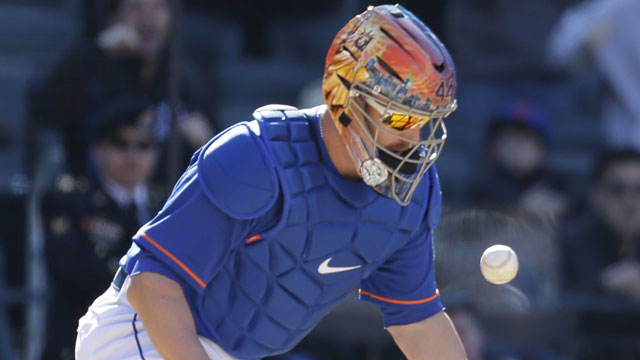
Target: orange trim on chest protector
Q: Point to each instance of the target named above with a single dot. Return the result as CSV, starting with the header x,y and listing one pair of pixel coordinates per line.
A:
x,y
402,302
253,238
175,259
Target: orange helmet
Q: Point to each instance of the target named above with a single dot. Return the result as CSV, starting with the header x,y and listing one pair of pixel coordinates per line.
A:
x,y
387,75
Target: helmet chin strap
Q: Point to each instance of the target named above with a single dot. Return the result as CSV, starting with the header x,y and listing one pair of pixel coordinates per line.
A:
x,y
393,162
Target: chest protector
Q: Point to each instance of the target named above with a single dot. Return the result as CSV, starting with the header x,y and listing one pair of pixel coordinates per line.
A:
x,y
330,234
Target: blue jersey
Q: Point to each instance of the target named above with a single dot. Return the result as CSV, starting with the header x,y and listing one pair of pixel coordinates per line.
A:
x,y
266,237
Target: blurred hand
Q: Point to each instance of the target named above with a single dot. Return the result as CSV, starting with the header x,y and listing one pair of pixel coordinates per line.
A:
x,y
195,129
120,39
622,278
598,36
544,201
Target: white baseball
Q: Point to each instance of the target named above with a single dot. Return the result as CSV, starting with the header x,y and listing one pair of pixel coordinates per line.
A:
x,y
499,264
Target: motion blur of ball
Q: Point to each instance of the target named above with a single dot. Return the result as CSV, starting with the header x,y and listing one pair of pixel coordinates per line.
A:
x,y
499,264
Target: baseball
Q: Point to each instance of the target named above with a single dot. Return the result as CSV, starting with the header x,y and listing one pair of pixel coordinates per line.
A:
x,y
499,264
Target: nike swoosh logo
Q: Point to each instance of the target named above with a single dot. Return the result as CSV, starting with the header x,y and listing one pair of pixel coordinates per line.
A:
x,y
324,268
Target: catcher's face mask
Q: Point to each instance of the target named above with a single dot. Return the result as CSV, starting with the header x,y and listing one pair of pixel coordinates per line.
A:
x,y
388,84
395,145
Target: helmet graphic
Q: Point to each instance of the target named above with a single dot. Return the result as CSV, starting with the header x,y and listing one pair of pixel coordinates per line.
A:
x,y
389,81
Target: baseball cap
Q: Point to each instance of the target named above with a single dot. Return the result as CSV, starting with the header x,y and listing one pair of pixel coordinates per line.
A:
x,y
521,114
130,111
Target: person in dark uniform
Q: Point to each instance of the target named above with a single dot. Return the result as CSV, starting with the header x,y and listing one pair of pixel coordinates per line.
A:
x,y
89,220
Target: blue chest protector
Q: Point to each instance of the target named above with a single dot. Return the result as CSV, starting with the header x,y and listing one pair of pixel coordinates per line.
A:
x,y
270,289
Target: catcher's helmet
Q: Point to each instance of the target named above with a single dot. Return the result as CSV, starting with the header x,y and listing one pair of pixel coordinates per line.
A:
x,y
387,75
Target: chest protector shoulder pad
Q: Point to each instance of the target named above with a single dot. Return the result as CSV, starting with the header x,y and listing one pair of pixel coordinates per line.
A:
x,y
237,174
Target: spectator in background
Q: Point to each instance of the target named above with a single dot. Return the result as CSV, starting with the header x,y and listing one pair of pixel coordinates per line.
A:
x,y
130,57
601,247
605,33
517,175
89,221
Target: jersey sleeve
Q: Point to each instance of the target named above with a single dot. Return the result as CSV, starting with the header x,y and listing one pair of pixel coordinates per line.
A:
x,y
147,262
197,227
404,287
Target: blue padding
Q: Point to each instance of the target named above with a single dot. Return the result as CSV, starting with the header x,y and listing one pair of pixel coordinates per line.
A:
x,y
237,174
285,310
272,335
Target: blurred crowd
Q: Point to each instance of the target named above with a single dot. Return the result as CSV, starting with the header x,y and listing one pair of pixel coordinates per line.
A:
x,y
543,155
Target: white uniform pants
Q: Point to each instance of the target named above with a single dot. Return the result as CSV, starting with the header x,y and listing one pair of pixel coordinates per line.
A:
x,y
111,329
